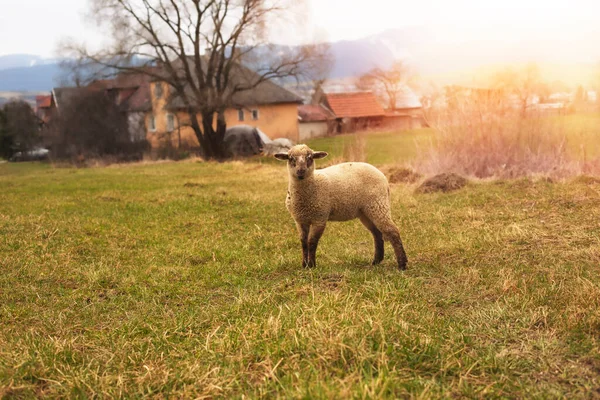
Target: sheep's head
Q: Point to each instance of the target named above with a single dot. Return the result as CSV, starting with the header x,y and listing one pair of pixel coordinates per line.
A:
x,y
300,160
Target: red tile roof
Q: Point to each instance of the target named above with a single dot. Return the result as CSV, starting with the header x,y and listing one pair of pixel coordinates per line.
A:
x,y
43,101
312,113
354,105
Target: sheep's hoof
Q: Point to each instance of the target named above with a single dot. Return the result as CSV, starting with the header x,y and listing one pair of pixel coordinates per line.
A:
x,y
376,261
402,266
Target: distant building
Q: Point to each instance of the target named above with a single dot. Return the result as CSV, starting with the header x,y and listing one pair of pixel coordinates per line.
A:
x,y
268,107
359,110
43,108
352,111
157,114
314,121
407,113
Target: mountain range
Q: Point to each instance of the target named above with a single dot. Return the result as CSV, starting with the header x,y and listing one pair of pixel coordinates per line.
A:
x,y
437,57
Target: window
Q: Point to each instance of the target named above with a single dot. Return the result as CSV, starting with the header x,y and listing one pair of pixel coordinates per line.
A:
x,y
255,114
170,122
158,90
152,123
240,115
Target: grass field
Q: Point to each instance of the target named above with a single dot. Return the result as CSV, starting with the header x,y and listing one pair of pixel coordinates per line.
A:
x,y
184,280
581,130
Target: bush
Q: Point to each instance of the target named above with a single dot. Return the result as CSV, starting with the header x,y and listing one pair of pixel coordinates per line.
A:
x,y
92,126
19,129
486,137
6,143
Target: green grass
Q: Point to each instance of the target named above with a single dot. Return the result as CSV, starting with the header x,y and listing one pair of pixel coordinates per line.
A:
x,y
183,280
381,147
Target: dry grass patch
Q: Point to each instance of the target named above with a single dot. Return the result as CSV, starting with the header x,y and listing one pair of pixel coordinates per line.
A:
x,y
442,183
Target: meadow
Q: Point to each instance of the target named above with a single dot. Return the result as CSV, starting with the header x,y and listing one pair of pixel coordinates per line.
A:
x,y
184,280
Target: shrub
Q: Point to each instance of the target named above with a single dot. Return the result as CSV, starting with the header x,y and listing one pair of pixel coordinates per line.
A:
x,y
92,126
484,136
19,128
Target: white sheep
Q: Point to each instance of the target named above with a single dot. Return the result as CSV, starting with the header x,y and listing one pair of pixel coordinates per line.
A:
x,y
338,193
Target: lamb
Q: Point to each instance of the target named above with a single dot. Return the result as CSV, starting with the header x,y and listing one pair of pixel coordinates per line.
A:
x,y
341,192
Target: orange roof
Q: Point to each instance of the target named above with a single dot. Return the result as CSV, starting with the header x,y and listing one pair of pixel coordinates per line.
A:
x,y
354,105
43,101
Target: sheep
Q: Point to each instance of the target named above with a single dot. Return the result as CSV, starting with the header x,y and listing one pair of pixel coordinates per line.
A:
x,y
341,192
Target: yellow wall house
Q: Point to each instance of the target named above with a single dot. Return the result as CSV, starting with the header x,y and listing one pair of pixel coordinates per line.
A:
x,y
269,107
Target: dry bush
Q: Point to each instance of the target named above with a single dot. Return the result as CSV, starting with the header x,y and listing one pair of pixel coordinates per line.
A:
x,y
356,149
480,133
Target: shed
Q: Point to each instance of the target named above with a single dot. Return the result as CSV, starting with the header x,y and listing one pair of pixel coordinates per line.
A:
x,y
314,121
354,110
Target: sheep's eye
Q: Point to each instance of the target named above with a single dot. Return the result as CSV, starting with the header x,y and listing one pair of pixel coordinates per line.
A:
x,y
292,161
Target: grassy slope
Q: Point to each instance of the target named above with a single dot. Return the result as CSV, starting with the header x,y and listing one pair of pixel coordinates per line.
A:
x,y
184,279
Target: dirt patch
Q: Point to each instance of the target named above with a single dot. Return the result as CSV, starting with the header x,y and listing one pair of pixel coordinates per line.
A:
x,y
194,184
401,175
442,183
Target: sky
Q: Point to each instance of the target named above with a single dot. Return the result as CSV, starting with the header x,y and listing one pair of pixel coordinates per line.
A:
x,y
37,26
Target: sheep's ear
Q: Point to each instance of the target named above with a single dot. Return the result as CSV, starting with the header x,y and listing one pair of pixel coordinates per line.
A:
x,y
319,154
282,156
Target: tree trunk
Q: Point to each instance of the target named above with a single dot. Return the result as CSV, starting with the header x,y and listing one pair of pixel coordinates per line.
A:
x,y
220,132
214,137
198,131
210,139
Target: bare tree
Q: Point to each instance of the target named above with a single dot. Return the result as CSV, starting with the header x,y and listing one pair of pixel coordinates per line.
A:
x,y
78,72
201,48
387,83
525,84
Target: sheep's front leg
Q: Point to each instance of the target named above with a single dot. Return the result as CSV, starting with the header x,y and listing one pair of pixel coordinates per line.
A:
x,y
316,231
303,230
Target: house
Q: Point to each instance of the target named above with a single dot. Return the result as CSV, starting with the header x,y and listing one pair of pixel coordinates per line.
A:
x,y
353,111
267,106
314,121
156,113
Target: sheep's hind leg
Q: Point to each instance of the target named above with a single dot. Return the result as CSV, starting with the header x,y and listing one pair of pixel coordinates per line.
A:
x,y
381,217
377,237
316,231
392,234
303,230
